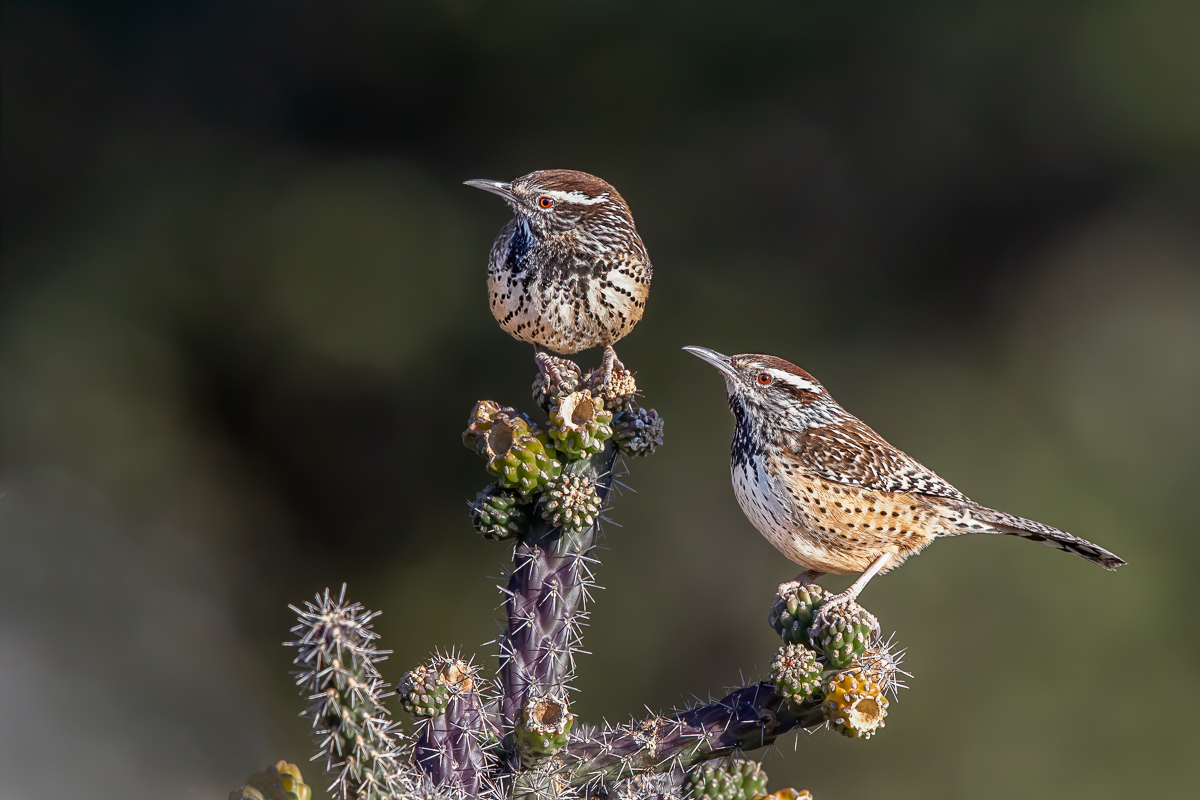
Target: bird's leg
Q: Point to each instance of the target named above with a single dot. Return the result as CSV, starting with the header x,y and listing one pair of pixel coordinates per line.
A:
x,y
610,362
854,591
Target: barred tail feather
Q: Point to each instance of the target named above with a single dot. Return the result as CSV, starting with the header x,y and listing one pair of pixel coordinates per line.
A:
x,y
1039,532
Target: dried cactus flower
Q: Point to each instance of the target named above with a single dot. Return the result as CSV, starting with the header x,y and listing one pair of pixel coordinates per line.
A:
x,y
792,612
579,424
547,396
279,782
544,728
498,514
479,423
790,794
854,705
519,454
737,780
796,673
843,633
618,392
571,502
638,431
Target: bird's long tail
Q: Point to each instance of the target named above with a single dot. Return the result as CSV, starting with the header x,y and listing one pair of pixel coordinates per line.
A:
x,y
981,519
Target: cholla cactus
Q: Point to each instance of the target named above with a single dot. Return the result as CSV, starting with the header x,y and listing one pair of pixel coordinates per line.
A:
x,y
571,502
792,612
339,675
854,705
516,738
499,514
796,673
638,431
737,780
843,633
579,424
279,782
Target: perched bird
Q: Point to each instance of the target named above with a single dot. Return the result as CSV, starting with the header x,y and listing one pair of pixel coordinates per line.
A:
x,y
831,494
569,272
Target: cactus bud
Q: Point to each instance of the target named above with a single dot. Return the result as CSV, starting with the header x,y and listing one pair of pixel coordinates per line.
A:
x,y
792,612
843,633
637,431
422,694
570,502
796,673
738,780
616,393
854,705
498,514
579,424
518,453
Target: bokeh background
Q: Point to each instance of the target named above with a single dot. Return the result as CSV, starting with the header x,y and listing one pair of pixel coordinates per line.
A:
x,y
245,320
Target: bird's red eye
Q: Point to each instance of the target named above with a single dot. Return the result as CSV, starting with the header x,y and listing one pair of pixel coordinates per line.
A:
x,y
764,378
545,202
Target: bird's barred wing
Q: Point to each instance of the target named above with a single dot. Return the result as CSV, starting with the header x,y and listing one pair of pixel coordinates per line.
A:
x,y
851,453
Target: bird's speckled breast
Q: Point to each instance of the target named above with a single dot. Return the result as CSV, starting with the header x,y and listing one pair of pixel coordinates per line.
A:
x,y
831,527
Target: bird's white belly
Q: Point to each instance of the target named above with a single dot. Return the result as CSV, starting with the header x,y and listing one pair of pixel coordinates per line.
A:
x,y
779,524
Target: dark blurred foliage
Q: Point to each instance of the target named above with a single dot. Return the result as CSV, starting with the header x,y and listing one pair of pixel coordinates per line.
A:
x,y
245,321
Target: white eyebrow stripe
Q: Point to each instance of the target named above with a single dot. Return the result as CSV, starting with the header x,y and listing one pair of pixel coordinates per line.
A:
x,y
795,380
578,198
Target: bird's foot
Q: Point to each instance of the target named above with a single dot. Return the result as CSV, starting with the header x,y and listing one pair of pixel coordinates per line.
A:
x,y
803,579
552,372
821,616
610,363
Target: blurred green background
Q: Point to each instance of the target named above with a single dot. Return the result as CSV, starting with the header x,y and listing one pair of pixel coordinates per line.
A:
x,y
245,320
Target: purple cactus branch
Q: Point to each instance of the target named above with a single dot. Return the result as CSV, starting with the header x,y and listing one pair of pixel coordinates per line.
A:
x,y
747,719
546,600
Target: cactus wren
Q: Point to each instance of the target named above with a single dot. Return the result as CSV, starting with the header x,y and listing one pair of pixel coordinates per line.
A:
x,y
569,271
831,494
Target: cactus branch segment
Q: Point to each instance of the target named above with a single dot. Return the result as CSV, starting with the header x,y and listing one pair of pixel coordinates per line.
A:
x,y
747,719
363,751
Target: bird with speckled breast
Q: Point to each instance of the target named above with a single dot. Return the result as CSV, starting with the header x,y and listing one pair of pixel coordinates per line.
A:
x,y
831,494
569,271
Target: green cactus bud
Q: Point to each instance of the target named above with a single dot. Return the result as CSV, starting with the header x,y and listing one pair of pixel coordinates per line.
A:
x,y
518,454
544,728
843,633
498,514
422,693
796,673
618,392
570,502
548,396
279,782
738,780
792,612
854,705
579,424
637,431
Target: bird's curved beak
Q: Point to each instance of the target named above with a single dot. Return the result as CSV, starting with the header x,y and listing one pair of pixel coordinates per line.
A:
x,y
723,363
495,187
